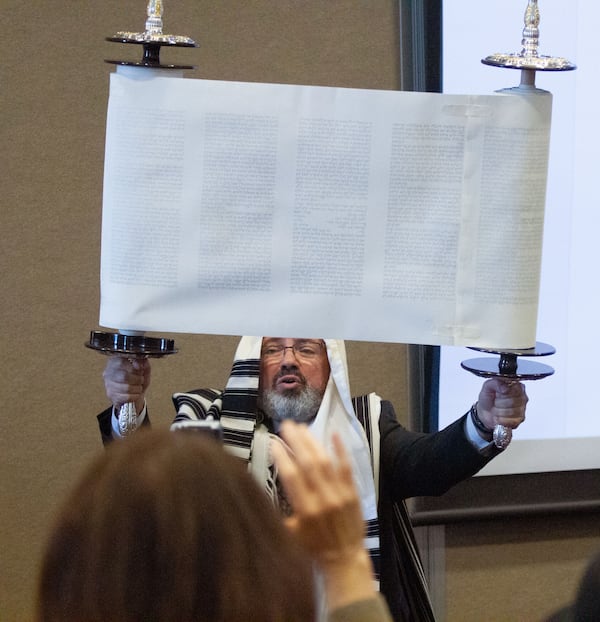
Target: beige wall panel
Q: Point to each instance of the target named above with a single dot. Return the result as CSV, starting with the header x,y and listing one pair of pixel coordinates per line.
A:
x,y
516,570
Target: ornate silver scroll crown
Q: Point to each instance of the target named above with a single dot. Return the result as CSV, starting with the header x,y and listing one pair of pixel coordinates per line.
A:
x,y
529,57
154,29
152,40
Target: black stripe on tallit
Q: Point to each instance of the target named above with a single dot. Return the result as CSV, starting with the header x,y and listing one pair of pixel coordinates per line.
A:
x,y
247,367
200,401
372,527
235,438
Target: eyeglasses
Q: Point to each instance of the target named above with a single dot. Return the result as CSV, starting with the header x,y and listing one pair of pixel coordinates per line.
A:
x,y
303,351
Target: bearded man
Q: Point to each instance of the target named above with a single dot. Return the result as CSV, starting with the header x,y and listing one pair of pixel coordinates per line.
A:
x,y
273,379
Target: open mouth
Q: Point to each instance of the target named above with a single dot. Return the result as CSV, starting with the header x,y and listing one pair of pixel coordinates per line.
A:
x,y
290,381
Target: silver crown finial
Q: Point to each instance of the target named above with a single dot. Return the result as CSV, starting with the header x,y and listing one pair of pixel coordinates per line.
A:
x,y
154,23
529,58
531,31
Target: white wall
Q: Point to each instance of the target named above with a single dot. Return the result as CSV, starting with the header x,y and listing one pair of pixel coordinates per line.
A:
x,y
562,430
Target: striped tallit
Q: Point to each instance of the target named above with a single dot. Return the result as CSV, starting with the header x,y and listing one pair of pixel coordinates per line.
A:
x,y
247,437
357,422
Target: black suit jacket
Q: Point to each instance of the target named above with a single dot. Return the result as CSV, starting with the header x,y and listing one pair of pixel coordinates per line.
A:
x,y
412,465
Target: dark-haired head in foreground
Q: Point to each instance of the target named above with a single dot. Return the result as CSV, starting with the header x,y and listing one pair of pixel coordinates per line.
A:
x,y
167,527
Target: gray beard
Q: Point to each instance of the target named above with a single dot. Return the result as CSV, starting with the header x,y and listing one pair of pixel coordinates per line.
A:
x,y
301,407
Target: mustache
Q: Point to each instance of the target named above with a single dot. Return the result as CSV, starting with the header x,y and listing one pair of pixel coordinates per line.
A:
x,y
289,371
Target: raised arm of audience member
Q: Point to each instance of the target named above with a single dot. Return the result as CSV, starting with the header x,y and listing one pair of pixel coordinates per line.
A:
x,y
327,521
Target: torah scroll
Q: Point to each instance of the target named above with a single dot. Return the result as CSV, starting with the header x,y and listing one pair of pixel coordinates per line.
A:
x,y
239,208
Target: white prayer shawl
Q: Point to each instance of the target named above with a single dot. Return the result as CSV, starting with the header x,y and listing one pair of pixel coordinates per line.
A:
x,y
335,415
249,439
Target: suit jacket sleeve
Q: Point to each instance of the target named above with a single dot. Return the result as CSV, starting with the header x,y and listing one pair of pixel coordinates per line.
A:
x,y
418,464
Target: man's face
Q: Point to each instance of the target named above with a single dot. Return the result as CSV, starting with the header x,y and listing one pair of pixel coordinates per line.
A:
x,y
293,377
288,365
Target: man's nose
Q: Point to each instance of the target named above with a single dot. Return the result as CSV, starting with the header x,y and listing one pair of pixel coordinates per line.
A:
x,y
288,355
